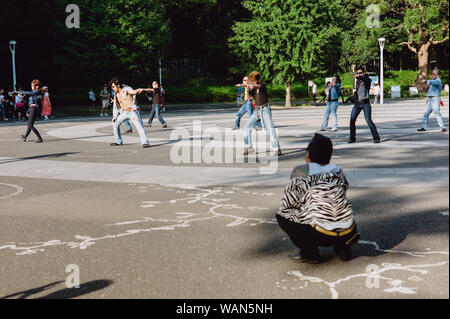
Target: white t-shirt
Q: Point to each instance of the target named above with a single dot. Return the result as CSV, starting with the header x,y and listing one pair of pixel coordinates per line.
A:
x,y
1,99
92,95
314,88
376,90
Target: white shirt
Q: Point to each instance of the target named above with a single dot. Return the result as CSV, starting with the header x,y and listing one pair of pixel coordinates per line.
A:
x,y
314,88
376,90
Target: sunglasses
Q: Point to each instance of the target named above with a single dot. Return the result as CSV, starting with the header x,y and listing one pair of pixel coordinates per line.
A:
x,y
359,73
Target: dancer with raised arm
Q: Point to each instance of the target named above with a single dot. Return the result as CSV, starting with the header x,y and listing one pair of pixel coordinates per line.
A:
x,y
34,102
258,91
247,107
125,108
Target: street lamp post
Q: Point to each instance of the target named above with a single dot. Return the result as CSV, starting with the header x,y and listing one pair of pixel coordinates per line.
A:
x,y
12,48
381,41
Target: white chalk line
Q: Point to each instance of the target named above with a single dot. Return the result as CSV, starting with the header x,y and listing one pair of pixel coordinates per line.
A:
x,y
202,197
19,189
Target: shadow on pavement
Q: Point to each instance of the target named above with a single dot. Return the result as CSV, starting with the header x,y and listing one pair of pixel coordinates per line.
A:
x,y
66,293
55,155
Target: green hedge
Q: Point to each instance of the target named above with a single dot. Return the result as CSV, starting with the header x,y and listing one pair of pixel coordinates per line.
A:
x,y
206,90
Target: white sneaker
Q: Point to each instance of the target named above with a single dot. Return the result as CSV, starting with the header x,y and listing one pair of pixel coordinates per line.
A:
x,y
105,114
101,115
334,130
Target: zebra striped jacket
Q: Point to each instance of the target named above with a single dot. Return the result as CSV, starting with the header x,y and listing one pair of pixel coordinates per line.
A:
x,y
318,199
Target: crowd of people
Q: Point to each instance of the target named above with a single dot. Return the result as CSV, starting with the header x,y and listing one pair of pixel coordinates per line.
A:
x,y
15,106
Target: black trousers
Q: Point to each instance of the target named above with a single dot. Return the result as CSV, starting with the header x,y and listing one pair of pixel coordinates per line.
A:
x,y
31,118
357,108
308,240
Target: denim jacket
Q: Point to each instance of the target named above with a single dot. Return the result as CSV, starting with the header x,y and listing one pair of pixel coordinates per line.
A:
x,y
35,97
333,94
435,87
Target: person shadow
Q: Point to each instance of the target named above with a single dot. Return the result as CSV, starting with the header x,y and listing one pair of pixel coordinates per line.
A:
x,y
66,293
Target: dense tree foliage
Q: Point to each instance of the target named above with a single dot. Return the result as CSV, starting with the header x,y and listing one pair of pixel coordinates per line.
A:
x,y
287,40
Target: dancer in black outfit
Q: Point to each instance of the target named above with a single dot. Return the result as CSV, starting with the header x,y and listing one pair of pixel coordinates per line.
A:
x,y
35,101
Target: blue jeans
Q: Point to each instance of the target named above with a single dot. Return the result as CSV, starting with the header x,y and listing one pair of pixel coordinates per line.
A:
x,y
433,105
135,118
247,107
357,108
128,125
156,109
2,108
331,108
264,115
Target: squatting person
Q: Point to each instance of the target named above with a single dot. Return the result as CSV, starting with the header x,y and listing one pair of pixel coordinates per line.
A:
x,y
314,210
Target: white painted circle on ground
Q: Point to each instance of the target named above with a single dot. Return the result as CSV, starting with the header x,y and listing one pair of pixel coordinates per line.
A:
x,y
6,188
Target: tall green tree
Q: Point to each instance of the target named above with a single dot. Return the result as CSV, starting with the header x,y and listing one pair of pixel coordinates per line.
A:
x,y
423,24
289,39
415,24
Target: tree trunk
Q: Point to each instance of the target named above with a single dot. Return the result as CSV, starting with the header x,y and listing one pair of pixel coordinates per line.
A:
x,y
422,56
288,95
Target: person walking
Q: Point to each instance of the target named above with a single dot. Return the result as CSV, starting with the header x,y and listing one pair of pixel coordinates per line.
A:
x,y
362,103
314,91
46,105
104,96
376,92
34,102
332,105
92,99
433,101
157,92
247,106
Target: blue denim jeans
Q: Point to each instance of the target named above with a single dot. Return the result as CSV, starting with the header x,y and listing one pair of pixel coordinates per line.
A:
x,y
331,108
247,107
135,118
2,108
433,105
128,125
264,115
357,108
156,109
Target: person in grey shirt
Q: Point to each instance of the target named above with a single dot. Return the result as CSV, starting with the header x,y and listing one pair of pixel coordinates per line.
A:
x,y
362,103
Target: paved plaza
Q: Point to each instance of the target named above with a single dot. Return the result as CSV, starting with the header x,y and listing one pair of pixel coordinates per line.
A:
x,y
191,217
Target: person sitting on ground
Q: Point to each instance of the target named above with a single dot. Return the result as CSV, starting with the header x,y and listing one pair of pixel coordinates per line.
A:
x,y
314,210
